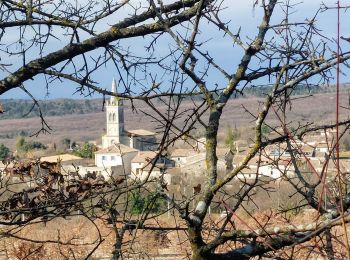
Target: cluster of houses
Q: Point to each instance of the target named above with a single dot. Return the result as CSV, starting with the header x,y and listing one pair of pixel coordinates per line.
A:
x,y
132,153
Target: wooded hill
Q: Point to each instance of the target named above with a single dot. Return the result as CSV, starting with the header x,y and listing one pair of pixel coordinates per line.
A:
x,y
19,108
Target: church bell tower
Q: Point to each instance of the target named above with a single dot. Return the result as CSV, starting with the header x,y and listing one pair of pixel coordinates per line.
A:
x,y
114,119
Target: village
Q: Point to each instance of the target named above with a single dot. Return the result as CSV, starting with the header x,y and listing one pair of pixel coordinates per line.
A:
x,y
132,154
174,129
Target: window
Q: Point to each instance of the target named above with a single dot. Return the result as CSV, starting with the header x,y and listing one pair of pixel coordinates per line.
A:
x,y
113,158
104,158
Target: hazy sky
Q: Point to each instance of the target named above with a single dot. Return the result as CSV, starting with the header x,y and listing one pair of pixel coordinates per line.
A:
x,y
239,12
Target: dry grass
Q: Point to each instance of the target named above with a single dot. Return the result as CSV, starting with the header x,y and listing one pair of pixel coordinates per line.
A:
x,y
145,244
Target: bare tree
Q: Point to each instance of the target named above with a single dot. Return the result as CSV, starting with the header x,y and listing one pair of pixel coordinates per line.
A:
x,y
284,54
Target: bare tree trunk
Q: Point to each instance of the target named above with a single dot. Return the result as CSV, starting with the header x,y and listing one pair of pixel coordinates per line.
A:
x,y
118,243
329,247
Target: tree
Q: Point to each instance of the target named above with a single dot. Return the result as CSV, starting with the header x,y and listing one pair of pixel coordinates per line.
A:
x,y
22,145
230,137
4,152
66,142
284,53
86,150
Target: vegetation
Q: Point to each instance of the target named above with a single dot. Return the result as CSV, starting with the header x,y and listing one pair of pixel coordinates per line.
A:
x,y
4,152
86,150
232,134
16,108
57,107
303,89
143,202
24,146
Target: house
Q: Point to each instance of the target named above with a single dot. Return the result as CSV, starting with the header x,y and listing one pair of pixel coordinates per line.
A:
x,y
141,139
180,156
246,174
323,147
148,164
139,162
114,155
192,163
62,158
201,143
297,149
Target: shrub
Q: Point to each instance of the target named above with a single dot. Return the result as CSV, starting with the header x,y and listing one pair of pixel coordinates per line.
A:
x,y
4,152
150,202
24,146
86,150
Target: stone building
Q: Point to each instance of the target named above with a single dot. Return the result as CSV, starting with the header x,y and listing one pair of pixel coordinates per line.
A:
x,y
116,133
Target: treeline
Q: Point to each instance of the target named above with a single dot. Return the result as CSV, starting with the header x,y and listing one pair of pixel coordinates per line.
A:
x,y
19,108
262,91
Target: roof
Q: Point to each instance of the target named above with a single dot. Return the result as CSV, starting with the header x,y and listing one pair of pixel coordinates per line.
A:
x,y
60,157
323,145
181,152
141,132
143,157
260,161
116,149
307,148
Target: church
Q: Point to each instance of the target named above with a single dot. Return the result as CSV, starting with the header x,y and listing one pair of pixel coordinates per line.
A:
x,y
119,146
139,139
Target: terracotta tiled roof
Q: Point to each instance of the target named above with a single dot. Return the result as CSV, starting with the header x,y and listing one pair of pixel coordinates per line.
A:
x,y
143,157
180,152
117,149
60,157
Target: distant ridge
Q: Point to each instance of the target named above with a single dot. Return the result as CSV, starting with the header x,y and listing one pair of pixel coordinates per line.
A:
x,y
21,108
261,91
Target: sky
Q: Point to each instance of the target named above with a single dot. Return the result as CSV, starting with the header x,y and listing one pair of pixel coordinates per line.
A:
x,y
240,14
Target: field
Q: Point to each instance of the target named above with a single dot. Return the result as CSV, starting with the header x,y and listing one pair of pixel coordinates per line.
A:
x,y
83,127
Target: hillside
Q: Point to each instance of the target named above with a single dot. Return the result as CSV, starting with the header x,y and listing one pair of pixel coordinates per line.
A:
x,y
83,126
15,108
